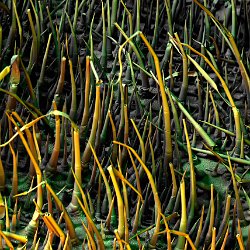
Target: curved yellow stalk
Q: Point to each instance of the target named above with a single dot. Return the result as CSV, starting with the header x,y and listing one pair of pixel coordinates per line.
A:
x,y
84,198
21,238
77,171
54,227
30,141
14,219
225,239
126,134
143,152
115,148
186,236
90,238
52,165
193,195
111,209
118,238
87,152
138,184
183,224
37,245
92,224
227,92
68,221
108,189
168,151
154,238
7,241
4,72
197,240
60,83
123,179
121,222
72,113
224,222
7,219
66,242
168,232
184,86
240,242
33,223
236,191
231,44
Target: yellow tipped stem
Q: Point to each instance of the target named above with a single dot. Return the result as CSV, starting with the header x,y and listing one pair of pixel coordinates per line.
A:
x,y
121,225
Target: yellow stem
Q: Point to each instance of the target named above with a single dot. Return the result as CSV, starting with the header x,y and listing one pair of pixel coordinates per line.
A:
x,y
154,190
168,151
121,223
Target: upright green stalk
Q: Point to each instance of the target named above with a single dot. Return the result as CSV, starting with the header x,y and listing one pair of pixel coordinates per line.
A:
x,y
234,19
231,43
56,42
104,42
227,92
145,82
113,15
169,14
40,80
34,48
138,19
85,117
156,26
184,86
60,84
38,30
12,32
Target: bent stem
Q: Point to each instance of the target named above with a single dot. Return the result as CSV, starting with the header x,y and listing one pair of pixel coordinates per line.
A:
x,y
68,221
121,222
154,238
193,195
168,151
87,152
33,223
52,165
90,221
